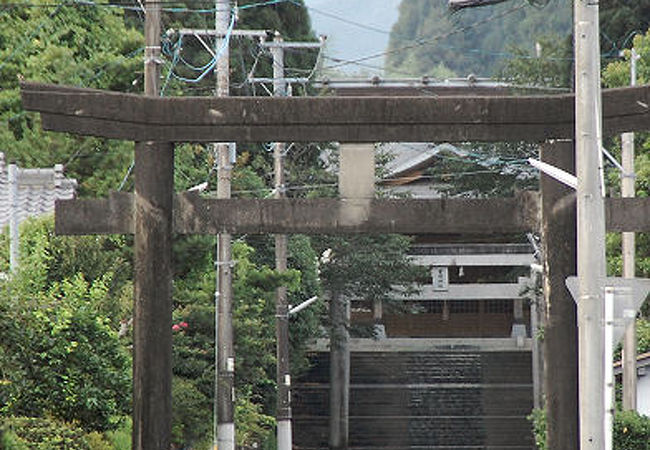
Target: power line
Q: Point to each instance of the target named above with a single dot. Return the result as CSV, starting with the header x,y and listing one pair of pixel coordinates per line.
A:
x,y
429,41
29,38
170,9
422,42
348,21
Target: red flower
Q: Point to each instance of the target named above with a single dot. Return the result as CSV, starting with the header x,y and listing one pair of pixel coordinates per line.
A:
x,y
183,324
175,327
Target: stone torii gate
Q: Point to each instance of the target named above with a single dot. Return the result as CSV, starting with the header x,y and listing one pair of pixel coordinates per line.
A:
x,y
344,119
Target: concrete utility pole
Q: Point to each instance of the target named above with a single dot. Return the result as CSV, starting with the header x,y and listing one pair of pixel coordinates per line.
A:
x,y
283,405
225,370
627,190
152,338
591,226
283,413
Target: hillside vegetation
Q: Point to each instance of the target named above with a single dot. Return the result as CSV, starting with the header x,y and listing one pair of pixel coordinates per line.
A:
x,y
429,39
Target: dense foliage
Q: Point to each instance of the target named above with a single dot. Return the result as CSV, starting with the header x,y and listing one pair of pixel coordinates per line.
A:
x,y
58,352
429,39
631,430
22,433
81,45
65,351
618,74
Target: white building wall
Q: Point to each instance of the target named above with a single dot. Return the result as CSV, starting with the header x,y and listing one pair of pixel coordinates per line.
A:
x,y
643,394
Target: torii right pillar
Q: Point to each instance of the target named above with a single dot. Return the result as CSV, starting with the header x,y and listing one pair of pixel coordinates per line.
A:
x,y
559,242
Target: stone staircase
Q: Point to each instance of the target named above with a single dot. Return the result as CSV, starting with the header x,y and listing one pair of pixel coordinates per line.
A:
x,y
435,398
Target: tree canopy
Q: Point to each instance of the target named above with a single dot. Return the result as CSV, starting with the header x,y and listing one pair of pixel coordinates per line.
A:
x,y
429,39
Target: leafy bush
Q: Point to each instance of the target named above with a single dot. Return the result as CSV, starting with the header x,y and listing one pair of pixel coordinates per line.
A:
x,y
9,441
120,438
256,429
58,353
631,430
97,441
42,434
538,420
192,418
63,361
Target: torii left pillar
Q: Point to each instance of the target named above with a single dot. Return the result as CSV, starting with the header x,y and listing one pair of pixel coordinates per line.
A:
x,y
152,334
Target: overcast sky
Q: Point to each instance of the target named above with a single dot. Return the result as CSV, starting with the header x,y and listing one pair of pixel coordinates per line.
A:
x,y
355,28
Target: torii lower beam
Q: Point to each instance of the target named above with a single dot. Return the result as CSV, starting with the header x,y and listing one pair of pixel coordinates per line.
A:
x,y
312,119
195,215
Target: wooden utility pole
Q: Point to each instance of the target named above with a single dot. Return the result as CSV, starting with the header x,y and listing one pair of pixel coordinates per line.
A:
x,y
152,339
628,251
560,333
590,226
225,370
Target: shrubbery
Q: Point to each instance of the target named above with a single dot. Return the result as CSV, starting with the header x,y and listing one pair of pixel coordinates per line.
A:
x,y
631,430
20,433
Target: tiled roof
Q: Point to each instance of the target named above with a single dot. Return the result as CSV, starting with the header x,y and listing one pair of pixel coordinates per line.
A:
x,y
408,157
37,191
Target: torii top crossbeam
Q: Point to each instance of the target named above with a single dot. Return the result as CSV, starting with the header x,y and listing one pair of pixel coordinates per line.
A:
x,y
312,119
344,119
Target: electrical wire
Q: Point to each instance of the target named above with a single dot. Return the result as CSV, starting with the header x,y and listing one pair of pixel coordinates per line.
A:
x,y
261,4
210,66
429,41
29,38
348,21
339,62
126,175
162,3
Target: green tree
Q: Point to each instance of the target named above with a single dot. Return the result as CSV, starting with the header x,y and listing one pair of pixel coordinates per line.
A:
x,y
254,322
551,68
631,430
484,169
429,39
618,74
619,21
81,45
59,354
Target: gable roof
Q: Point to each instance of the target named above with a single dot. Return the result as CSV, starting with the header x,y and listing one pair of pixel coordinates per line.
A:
x,y
37,191
412,157
642,361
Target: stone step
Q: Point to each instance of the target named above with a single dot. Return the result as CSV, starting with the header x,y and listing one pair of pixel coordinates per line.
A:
x,y
451,400
450,432
378,367
390,400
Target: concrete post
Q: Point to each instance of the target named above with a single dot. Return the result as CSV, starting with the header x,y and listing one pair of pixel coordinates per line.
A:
x,y
628,253
591,225
283,372
225,384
